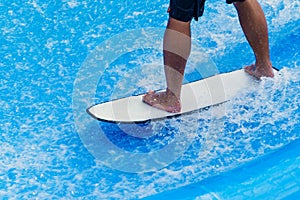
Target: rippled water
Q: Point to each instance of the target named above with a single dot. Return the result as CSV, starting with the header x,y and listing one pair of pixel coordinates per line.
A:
x,y
47,152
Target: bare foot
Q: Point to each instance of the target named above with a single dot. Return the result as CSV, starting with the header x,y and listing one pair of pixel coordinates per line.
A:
x,y
259,72
163,100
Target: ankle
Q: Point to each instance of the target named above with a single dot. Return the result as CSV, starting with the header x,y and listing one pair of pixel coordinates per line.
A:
x,y
263,64
172,95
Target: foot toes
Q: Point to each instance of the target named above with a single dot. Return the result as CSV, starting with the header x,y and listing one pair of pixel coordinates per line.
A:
x,y
150,98
250,68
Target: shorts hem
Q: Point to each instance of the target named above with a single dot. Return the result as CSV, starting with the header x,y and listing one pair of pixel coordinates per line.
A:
x,y
181,16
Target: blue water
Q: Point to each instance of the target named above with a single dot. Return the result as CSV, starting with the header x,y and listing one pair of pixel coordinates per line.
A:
x,y
58,58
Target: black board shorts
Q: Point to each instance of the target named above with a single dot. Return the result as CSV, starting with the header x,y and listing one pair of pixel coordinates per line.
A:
x,y
186,10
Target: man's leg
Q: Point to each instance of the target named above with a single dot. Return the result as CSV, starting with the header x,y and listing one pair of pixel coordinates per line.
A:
x,y
177,47
254,25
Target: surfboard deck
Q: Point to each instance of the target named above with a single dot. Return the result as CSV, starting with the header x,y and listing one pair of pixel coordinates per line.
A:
x,y
195,95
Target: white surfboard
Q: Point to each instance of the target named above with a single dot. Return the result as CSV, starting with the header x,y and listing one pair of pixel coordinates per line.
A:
x,y
196,95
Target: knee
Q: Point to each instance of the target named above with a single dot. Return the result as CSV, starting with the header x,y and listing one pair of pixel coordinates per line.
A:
x,y
175,22
182,27
237,3
241,4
